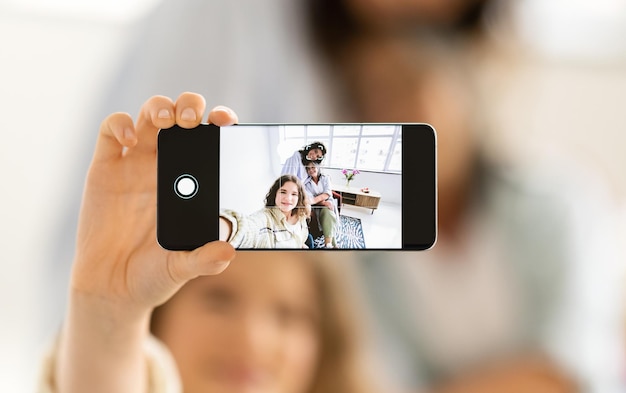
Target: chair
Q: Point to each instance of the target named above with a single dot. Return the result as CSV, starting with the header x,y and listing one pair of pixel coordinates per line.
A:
x,y
338,198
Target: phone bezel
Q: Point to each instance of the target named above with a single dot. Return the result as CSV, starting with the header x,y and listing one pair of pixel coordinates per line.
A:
x,y
186,225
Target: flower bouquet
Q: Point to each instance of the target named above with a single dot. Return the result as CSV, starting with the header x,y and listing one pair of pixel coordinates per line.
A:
x,y
349,175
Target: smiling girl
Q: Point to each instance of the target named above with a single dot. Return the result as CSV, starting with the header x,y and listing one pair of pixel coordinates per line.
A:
x,y
280,224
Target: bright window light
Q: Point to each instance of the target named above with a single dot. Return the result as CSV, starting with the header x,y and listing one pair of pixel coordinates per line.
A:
x,y
574,28
113,10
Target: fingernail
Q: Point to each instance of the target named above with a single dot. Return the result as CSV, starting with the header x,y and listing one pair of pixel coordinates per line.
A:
x,y
228,111
224,109
188,114
164,114
129,134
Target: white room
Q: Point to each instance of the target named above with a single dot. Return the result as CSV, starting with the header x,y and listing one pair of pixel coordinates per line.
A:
x,y
248,170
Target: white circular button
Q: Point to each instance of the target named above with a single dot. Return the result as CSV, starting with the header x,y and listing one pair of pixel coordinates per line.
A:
x,y
186,186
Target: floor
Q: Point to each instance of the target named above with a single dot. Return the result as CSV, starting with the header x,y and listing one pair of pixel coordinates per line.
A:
x,y
382,229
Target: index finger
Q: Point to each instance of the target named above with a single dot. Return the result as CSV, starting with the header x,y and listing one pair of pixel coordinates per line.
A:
x,y
222,116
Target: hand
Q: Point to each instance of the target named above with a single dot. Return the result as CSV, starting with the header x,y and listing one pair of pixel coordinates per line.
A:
x,y
533,372
120,272
117,256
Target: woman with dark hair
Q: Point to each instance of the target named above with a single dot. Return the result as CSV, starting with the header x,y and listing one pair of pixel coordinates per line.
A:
x,y
295,165
280,224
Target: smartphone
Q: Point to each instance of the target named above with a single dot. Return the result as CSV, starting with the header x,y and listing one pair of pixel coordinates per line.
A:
x,y
383,180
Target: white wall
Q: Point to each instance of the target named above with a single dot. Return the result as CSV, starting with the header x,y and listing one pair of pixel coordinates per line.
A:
x,y
54,72
248,163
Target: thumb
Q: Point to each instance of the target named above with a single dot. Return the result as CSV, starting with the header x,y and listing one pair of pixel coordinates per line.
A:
x,y
210,259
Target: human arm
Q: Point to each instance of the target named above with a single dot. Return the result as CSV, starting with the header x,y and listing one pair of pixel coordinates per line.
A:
x,y
533,372
320,199
305,230
325,197
225,229
314,197
247,230
293,166
120,273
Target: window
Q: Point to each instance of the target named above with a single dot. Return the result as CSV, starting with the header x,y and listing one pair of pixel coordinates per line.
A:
x,y
369,147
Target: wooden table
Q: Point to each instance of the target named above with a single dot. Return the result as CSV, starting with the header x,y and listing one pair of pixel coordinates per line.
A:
x,y
354,196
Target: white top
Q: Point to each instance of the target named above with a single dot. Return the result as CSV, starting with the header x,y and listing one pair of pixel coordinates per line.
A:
x,y
293,166
321,187
163,376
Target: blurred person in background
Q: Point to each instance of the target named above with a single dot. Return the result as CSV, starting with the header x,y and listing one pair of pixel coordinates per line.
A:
x,y
522,290
515,286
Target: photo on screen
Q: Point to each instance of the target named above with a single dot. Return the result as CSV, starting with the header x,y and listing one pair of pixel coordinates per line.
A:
x,y
353,171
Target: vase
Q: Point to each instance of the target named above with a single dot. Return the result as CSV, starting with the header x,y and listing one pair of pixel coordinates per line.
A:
x,y
348,183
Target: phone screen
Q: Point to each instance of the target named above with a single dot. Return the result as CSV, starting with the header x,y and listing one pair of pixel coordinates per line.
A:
x,y
308,186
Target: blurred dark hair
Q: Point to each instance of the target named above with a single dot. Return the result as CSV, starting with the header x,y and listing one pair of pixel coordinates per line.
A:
x,y
332,24
314,145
